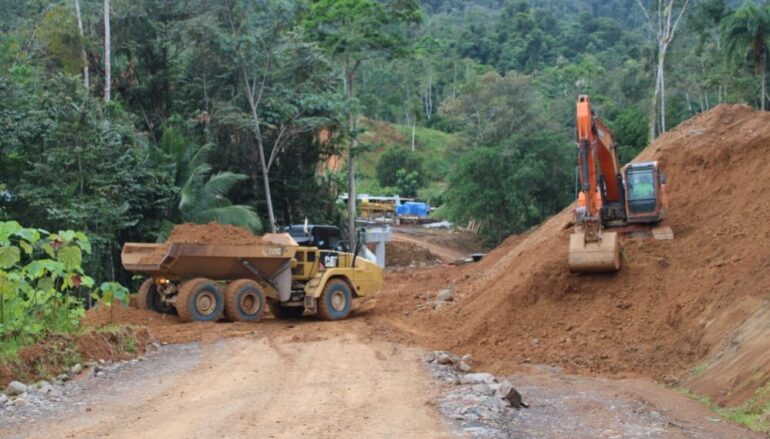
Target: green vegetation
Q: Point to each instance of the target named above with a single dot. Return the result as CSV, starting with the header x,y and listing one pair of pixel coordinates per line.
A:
x,y
754,413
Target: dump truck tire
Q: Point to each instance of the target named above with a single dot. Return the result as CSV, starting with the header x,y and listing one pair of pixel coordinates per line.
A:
x,y
244,301
285,312
336,300
148,298
200,300
142,299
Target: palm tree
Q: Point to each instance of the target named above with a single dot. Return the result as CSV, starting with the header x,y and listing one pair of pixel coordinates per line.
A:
x,y
202,197
746,32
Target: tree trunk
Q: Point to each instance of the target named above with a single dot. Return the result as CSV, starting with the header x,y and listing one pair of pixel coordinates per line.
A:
x,y
662,68
261,153
107,52
763,66
83,54
414,131
349,77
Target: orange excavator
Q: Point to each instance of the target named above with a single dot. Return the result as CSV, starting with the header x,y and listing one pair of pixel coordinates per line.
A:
x,y
609,196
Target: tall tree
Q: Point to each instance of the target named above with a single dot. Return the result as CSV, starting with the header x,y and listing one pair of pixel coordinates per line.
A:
x,y
83,54
273,63
748,30
662,23
107,52
354,31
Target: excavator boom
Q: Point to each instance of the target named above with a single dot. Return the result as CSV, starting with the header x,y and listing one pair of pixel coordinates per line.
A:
x,y
591,249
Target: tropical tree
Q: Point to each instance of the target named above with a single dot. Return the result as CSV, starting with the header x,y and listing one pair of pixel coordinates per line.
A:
x,y
746,32
354,31
202,196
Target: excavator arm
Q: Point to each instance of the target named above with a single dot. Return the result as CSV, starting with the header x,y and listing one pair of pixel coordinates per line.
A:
x,y
598,165
601,195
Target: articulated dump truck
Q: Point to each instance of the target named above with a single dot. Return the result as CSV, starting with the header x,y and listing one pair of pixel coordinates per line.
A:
x,y
200,282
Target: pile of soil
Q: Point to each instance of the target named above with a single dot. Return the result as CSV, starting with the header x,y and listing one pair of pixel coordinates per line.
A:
x,y
407,254
674,304
212,233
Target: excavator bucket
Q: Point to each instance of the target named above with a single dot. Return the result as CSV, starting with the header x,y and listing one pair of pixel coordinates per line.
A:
x,y
600,256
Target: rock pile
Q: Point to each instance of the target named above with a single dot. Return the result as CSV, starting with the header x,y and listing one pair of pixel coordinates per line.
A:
x,y
479,397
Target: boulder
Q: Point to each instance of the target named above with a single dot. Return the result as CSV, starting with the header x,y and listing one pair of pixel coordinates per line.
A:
x,y
477,378
463,367
445,295
15,388
510,395
444,357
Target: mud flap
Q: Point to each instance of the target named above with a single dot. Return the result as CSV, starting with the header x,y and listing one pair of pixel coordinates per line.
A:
x,y
600,256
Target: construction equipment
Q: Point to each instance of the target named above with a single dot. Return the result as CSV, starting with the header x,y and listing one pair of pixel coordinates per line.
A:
x,y
609,196
200,282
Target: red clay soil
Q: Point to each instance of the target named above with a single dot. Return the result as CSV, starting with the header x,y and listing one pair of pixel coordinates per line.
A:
x,y
407,254
212,233
674,304
56,353
166,327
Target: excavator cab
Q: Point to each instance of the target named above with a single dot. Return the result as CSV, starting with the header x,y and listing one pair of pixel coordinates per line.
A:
x,y
646,199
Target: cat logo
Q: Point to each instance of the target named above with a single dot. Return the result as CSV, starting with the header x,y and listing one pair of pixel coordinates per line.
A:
x,y
331,260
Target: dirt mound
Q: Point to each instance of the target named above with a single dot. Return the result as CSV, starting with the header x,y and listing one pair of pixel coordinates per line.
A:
x,y
672,306
211,233
408,254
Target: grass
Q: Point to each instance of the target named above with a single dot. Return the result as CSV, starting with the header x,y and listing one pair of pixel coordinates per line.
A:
x,y
698,369
430,144
754,413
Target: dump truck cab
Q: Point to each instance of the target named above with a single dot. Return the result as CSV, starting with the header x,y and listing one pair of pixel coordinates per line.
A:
x,y
321,236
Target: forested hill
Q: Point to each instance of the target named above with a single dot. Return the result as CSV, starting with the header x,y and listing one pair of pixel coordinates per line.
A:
x,y
224,110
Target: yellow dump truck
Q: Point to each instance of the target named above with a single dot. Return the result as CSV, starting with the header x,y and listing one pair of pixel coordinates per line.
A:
x,y
201,282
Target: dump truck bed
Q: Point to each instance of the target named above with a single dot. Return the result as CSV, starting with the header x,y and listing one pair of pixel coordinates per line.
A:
x,y
219,262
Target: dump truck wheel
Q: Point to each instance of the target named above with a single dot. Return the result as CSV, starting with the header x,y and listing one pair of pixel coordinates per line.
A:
x,y
200,300
336,300
148,288
149,299
285,312
244,301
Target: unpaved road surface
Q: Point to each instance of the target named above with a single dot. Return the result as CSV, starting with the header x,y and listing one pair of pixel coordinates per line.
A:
x,y
256,386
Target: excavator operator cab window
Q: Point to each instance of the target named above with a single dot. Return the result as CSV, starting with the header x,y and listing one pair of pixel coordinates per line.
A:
x,y
641,190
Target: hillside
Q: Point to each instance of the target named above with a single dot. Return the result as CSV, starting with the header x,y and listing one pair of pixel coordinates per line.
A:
x,y
691,311
430,145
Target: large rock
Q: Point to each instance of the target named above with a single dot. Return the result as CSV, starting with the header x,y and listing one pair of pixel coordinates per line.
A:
x,y
462,366
3,399
446,295
511,395
15,388
445,357
477,378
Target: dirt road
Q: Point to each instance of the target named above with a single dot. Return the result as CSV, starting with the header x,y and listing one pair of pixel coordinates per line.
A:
x,y
313,379
257,386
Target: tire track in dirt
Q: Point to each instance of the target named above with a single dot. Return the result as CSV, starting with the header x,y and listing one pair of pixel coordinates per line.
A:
x,y
332,387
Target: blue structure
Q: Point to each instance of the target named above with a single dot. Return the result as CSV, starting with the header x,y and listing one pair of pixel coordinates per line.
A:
x,y
413,208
